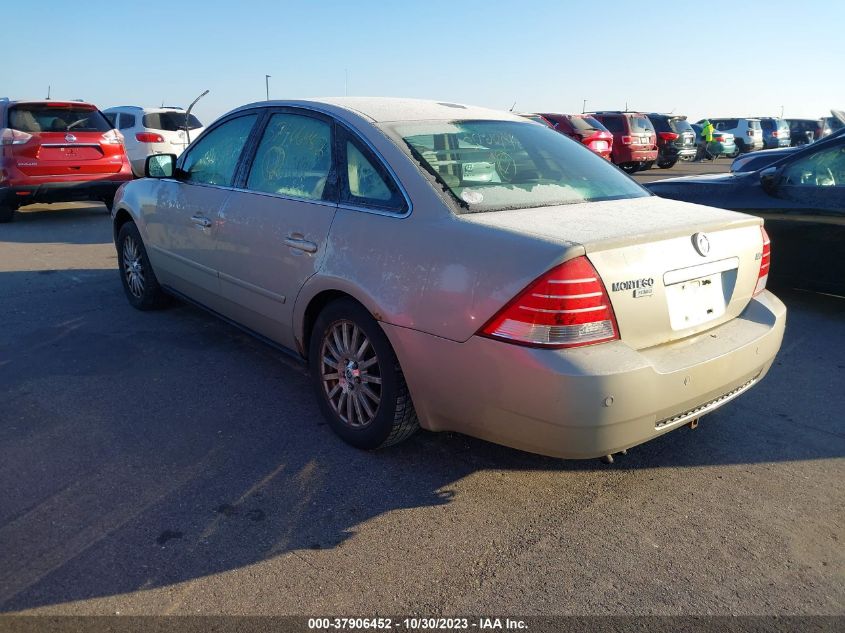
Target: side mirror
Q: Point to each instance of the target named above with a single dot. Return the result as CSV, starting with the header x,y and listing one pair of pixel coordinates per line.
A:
x,y
769,177
160,166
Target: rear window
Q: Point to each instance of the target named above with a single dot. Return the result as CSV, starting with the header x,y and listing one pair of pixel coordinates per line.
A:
x,y
640,124
680,125
768,124
660,123
170,121
59,118
496,165
754,124
585,124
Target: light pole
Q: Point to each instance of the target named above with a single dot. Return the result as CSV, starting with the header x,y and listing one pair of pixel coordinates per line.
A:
x,y
188,114
267,85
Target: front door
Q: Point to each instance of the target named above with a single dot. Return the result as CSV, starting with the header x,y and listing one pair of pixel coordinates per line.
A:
x,y
182,222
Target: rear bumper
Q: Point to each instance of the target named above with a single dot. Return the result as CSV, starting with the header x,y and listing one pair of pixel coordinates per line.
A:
x,y
589,401
671,153
59,191
627,155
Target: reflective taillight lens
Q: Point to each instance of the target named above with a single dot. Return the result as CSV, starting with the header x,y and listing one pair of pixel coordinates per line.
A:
x,y
566,307
149,137
668,136
627,140
13,137
113,137
765,262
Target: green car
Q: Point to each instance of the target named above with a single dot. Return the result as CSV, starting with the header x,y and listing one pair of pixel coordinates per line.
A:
x,y
722,144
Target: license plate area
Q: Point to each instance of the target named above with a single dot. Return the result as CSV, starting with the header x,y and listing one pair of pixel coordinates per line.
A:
x,y
695,301
699,294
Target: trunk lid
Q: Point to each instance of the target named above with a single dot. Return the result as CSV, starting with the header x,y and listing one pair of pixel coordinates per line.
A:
x,y
648,252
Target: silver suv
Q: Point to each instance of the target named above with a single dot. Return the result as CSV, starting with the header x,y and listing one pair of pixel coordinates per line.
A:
x,y
149,131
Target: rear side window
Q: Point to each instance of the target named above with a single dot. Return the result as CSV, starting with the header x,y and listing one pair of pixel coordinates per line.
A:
x,y
111,117
294,158
214,158
57,118
614,124
364,180
170,121
726,124
126,121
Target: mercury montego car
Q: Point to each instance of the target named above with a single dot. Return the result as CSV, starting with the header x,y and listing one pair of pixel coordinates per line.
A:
x,y
456,268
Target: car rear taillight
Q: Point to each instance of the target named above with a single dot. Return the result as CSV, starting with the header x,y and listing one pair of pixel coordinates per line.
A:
x,y
149,137
113,137
13,137
627,140
749,132
668,136
775,134
765,262
566,307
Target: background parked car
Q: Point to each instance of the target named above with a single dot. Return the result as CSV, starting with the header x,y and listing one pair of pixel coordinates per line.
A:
x,y
801,197
721,145
775,132
584,129
757,160
748,133
153,131
634,139
803,131
675,138
57,151
831,124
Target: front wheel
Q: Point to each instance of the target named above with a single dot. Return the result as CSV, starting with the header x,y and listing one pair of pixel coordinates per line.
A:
x,y
136,273
357,378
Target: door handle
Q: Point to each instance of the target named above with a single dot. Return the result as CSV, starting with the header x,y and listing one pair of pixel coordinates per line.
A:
x,y
300,244
201,221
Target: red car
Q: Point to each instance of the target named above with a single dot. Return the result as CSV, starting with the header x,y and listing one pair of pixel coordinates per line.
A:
x,y
634,139
584,129
57,151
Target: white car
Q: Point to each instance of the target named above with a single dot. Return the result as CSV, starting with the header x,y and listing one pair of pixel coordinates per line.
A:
x,y
150,131
748,133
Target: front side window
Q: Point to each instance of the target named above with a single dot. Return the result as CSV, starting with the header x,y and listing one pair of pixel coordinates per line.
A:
x,y
825,168
214,159
496,165
294,158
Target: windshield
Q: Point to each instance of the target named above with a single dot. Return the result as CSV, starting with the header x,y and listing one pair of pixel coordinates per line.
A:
x,y
496,165
170,121
57,118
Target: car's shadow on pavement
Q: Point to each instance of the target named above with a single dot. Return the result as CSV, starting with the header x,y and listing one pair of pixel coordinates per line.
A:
x,y
139,450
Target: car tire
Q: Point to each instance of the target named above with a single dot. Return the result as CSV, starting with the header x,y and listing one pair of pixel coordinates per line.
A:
x,y
629,168
666,164
7,213
740,147
139,281
646,165
365,399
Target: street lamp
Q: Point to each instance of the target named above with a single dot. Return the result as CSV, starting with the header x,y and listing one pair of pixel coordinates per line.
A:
x,y
267,85
188,114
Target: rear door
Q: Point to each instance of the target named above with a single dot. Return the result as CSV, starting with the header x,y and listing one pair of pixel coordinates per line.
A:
x,y
273,229
68,139
183,220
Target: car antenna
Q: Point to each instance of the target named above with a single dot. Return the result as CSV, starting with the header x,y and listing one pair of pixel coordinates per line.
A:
x,y
512,107
48,92
188,114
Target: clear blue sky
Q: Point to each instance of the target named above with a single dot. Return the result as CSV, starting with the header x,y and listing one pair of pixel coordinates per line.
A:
x,y
701,59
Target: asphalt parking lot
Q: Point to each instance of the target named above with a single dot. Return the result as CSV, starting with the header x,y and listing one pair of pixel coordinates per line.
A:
x,y
166,462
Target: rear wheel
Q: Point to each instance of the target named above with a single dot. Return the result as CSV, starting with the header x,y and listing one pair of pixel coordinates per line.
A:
x,y
666,164
357,378
136,273
629,168
646,165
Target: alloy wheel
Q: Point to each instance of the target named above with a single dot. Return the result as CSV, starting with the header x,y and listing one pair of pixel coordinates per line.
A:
x,y
351,373
133,267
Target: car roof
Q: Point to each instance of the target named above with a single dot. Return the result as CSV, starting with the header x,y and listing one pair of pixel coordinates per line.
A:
x,y
384,109
53,102
144,109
